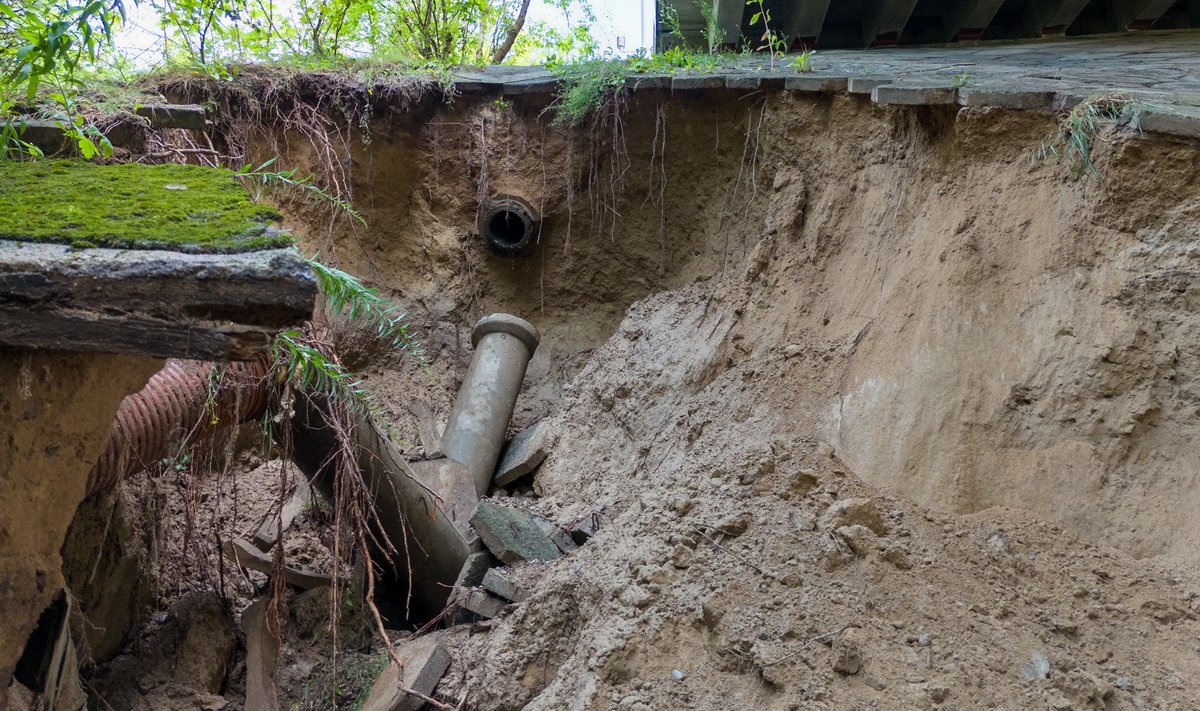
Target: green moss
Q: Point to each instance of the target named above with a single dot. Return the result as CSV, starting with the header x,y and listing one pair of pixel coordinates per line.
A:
x,y
179,207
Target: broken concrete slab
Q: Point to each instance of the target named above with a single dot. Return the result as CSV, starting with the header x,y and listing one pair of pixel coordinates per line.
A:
x,y
867,84
424,661
262,655
268,533
497,582
524,453
914,95
856,510
555,533
587,526
1178,121
475,569
248,556
481,603
151,302
511,534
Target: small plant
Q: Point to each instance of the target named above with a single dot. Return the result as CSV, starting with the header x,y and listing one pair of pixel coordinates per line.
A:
x,y
501,104
770,41
1072,140
584,87
803,62
714,35
961,80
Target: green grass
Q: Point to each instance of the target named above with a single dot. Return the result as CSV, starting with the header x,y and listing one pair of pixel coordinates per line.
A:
x,y
133,206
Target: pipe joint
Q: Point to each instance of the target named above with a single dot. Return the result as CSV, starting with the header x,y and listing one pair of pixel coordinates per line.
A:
x,y
509,225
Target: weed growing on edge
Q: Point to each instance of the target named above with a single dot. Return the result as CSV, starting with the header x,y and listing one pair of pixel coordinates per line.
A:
x,y
771,41
1072,140
803,62
961,80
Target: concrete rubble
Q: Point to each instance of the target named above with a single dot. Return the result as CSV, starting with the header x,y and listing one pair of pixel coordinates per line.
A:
x,y
511,534
423,662
523,455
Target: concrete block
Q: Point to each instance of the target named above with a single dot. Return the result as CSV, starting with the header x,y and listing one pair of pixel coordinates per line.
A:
x,y
189,116
427,430
481,603
268,533
587,527
865,85
815,83
554,532
538,85
1005,97
424,661
262,656
250,557
475,568
498,583
524,453
510,534
693,82
1179,121
914,95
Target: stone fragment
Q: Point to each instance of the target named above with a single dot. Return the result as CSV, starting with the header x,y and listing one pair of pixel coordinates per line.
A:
x,y
554,532
250,557
511,534
1038,667
524,453
860,538
425,660
431,442
262,655
197,642
497,582
310,610
268,533
848,512
735,524
744,82
847,652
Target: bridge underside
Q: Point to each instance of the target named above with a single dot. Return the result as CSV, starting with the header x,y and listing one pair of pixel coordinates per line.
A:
x,y
873,23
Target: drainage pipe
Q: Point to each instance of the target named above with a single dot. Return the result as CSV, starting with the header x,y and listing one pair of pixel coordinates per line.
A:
x,y
182,402
478,423
509,225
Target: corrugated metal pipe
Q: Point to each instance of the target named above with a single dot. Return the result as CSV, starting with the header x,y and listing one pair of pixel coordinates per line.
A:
x,y
183,401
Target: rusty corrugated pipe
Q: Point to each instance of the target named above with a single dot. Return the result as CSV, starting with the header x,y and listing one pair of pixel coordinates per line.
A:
x,y
151,423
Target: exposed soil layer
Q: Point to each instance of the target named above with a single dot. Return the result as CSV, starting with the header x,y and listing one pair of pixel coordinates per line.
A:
x,y
754,309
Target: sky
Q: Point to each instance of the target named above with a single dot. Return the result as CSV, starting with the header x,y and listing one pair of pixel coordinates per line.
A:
x,y
621,27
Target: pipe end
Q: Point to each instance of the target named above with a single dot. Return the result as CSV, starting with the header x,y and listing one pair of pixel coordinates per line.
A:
x,y
507,323
508,224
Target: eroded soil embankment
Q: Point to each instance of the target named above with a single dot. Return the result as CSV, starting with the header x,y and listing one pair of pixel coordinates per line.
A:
x,y
830,300
963,324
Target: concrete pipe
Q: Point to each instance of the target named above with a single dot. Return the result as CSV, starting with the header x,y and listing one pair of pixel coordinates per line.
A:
x,y
475,433
509,225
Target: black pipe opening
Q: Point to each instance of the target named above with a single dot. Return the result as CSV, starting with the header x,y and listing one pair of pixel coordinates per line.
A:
x,y
509,226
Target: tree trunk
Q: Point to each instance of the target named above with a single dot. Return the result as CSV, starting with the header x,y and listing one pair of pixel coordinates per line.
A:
x,y
511,35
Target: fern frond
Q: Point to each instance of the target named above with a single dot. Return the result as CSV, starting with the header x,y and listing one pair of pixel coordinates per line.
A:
x,y
346,295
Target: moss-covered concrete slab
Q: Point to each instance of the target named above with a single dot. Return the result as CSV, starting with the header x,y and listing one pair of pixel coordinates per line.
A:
x,y
132,206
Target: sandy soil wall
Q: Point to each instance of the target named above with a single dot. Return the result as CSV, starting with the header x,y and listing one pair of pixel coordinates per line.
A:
x,y
962,322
